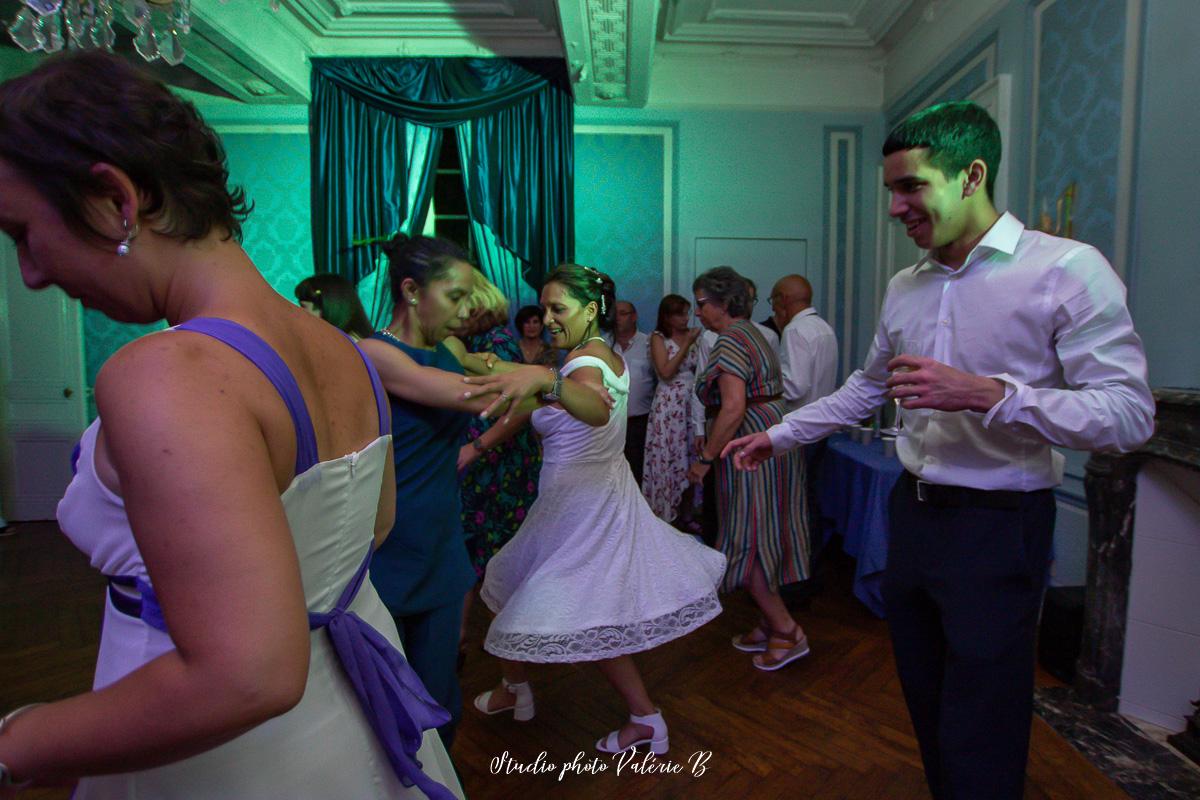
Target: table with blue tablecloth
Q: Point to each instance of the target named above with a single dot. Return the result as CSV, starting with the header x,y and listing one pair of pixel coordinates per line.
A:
x,y
853,487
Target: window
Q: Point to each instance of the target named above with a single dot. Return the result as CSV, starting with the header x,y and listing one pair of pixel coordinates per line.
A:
x,y
448,216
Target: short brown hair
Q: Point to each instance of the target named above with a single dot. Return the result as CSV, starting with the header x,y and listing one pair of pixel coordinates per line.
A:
x,y
82,108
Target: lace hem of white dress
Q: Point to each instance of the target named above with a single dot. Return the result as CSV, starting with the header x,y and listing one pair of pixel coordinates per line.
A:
x,y
604,641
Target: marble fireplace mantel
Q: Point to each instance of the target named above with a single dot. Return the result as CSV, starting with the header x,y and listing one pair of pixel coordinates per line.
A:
x,y
1111,485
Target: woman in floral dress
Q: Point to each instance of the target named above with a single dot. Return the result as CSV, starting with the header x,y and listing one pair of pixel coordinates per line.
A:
x,y
668,434
498,471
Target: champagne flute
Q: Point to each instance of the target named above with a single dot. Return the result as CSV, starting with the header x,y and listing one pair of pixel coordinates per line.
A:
x,y
896,421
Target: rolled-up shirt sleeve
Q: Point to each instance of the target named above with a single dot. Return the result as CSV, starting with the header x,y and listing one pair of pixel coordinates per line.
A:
x,y
858,397
1106,403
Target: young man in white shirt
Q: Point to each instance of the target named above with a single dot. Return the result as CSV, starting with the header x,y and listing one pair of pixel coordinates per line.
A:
x,y
634,346
1002,342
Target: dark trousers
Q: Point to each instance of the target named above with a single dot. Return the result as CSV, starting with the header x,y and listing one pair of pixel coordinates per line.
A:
x,y
635,444
710,522
430,642
962,590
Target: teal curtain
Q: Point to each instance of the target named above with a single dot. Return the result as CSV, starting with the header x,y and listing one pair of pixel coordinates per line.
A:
x,y
499,264
421,151
517,114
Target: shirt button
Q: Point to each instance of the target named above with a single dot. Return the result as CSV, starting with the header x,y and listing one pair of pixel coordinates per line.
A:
x,y
945,322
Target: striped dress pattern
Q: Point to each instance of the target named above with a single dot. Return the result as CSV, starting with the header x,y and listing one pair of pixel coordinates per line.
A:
x,y
762,514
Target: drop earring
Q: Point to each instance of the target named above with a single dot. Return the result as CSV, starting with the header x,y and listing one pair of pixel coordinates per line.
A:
x,y
130,235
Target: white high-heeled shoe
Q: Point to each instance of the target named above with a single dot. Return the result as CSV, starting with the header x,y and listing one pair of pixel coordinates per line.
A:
x,y
657,740
522,710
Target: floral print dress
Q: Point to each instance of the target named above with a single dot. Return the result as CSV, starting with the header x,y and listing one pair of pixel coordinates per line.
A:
x,y
498,489
669,437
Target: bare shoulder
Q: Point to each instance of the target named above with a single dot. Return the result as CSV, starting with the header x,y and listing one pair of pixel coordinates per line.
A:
x,y
600,350
167,364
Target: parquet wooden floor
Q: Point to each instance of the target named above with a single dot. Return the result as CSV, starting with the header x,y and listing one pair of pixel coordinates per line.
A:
x,y
830,726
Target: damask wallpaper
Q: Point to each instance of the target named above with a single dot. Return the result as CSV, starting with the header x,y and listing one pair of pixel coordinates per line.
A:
x,y
1079,82
274,171
619,214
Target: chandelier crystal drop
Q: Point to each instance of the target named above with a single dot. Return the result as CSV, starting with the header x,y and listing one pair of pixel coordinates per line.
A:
x,y
159,26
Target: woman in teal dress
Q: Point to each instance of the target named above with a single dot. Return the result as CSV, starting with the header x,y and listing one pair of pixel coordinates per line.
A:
x,y
422,571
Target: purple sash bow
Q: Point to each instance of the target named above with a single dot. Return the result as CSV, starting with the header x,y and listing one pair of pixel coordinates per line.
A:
x,y
392,697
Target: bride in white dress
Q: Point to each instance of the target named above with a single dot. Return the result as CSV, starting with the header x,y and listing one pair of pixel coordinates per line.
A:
x,y
593,574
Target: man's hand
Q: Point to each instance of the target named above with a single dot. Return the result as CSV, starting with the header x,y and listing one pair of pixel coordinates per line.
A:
x,y
749,451
697,471
920,382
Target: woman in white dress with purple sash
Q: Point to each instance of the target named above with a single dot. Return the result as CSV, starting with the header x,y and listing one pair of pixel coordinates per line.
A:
x,y
593,574
232,490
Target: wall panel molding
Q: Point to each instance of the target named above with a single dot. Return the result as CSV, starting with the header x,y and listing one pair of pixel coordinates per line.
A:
x,y
843,224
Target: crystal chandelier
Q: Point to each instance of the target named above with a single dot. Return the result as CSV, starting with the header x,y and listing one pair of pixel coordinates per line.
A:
x,y
159,26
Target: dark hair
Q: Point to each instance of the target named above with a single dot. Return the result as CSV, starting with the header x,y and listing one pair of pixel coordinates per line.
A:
x,y
727,288
671,304
525,314
589,285
956,134
422,258
82,108
335,299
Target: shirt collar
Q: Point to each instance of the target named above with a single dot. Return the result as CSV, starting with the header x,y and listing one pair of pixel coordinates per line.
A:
x,y
1002,237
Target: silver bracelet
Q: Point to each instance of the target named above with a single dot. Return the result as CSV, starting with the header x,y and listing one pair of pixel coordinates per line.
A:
x,y
7,719
6,778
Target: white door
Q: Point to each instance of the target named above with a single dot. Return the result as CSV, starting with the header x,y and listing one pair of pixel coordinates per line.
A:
x,y
42,409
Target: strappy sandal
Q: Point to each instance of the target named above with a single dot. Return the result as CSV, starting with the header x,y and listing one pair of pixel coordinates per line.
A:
x,y
746,645
522,709
657,741
793,645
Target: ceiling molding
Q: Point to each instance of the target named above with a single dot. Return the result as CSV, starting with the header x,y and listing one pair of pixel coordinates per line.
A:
x,y
609,46
940,28
508,27
694,76
822,23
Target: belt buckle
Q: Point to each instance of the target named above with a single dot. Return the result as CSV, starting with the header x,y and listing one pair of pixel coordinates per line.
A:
x,y
922,491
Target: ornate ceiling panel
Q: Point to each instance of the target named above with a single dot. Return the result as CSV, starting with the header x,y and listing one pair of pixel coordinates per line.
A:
x,y
820,23
612,47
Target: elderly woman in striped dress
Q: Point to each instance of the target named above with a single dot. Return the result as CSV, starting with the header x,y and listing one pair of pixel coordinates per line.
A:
x,y
763,531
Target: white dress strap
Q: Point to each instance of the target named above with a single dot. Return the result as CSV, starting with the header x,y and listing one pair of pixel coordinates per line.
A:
x,y
586,361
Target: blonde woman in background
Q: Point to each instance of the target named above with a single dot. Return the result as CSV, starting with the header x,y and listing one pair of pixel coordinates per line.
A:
x,y
498,470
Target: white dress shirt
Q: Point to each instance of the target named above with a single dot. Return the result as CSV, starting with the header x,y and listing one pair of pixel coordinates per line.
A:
x,y
641,371
1044,315
808,354
704,346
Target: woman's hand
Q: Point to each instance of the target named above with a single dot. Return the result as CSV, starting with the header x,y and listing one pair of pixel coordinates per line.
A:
x,y
697,471
468,454
693,335
512,388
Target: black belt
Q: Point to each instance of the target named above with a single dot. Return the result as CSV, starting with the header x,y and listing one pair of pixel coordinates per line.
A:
x,y
942,496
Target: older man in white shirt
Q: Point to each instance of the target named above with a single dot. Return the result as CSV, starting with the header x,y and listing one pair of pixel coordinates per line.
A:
x,y
808,349
1002,342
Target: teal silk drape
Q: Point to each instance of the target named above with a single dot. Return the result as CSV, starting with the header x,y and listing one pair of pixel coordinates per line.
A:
x,y
519,118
